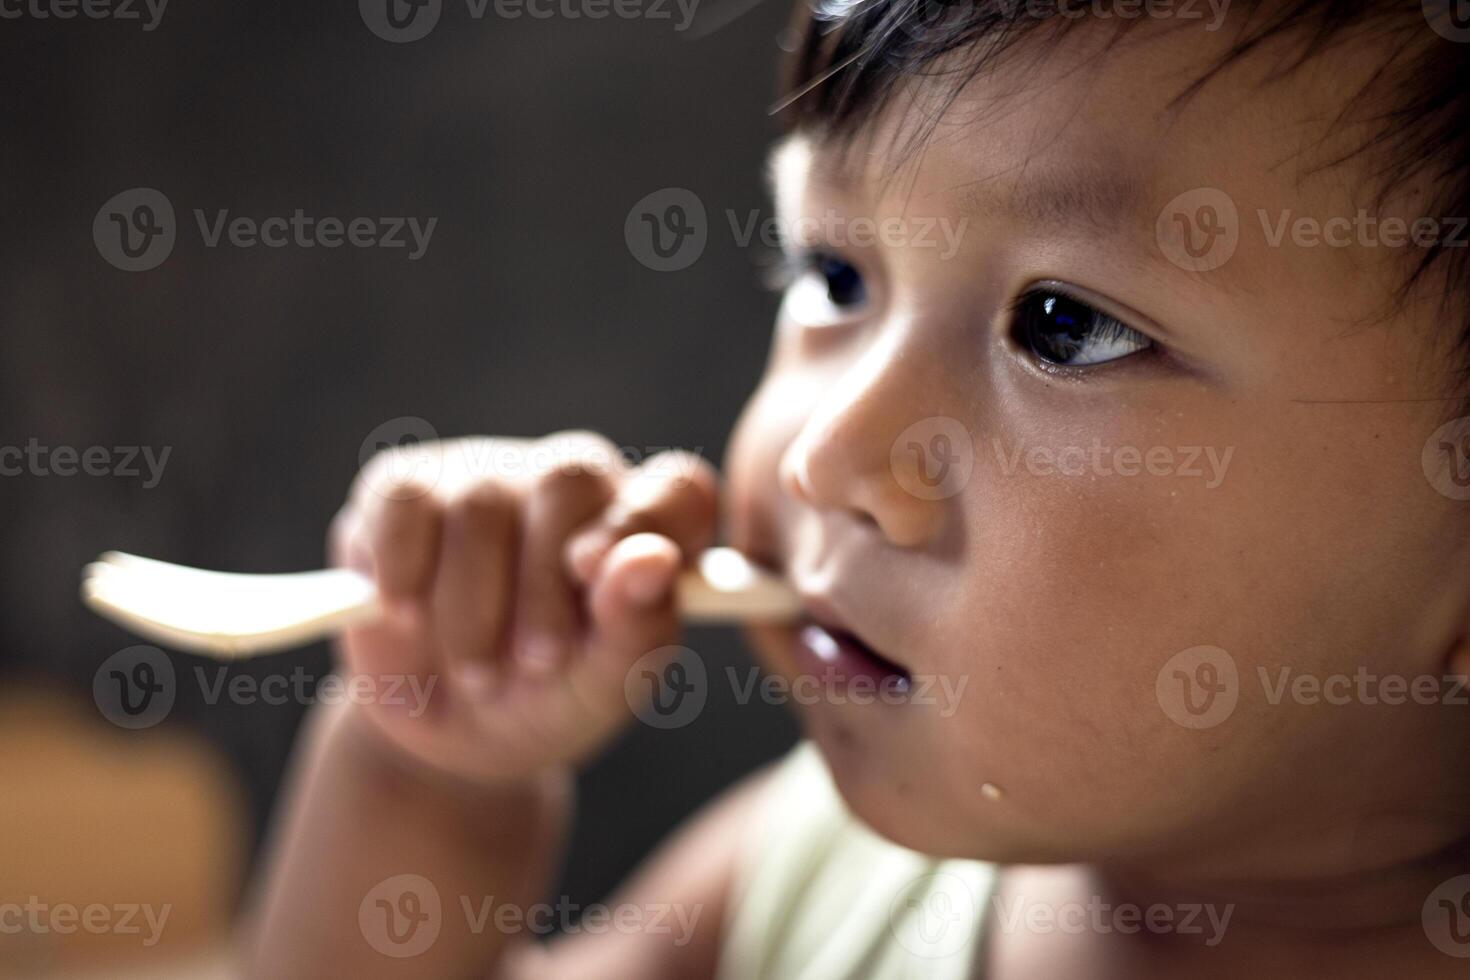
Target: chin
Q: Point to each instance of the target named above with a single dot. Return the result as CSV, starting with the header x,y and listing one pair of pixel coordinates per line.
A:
x,y
904,804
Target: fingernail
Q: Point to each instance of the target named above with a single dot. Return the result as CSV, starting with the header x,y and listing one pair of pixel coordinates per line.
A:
x,y
475,680
539,654
647,583
586,551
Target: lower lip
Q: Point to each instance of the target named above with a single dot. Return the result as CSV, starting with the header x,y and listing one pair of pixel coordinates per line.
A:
x,y
844,659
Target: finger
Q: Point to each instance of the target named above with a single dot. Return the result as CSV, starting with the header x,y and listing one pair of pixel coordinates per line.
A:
x,y
675,494
631,610
392,645
346,545
474,581
402,532
548,618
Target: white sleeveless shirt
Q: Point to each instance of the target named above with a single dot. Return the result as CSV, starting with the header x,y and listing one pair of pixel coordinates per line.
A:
x,y
819,896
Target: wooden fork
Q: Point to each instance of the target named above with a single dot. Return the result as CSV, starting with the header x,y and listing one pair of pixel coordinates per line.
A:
x,y
233,616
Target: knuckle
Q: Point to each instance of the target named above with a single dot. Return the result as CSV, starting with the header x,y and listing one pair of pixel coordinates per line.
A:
x,y
568,483
484,505
684,469
385,476
682,481
577,451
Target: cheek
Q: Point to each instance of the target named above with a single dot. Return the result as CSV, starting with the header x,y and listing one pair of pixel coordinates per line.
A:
x,y
752,499
1081,589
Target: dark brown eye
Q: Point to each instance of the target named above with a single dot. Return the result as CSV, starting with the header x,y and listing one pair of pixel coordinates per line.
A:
x,y
845,288
1062,330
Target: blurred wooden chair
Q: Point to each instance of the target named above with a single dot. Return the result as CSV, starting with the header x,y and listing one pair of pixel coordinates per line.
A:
x,y
91,815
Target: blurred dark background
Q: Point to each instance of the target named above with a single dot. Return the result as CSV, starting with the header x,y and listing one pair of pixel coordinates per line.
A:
x,y
263,370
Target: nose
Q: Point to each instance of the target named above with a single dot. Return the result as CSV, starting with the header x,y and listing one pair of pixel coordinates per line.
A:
x,y
870,449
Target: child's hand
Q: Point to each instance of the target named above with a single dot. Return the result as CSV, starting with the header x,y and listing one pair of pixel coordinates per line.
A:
x,y
523,581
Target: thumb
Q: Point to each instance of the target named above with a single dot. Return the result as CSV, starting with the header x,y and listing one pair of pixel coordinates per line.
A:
x,y
632,612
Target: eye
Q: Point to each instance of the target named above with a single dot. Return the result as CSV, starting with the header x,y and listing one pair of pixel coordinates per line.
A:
x,y
1062,330
843,282
819,286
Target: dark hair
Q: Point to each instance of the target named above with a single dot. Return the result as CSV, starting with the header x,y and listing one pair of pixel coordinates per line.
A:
x,y
850,58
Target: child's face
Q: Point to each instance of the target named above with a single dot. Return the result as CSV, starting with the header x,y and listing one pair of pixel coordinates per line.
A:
x,y
1283,516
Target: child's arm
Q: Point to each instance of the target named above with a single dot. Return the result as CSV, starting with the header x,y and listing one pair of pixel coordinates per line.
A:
x,y
349,829
523,584
357,816
686,884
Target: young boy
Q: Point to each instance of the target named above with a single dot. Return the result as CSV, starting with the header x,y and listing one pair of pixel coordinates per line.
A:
x,y
1159,469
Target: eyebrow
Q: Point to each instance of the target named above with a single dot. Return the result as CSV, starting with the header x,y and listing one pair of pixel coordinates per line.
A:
x,y
1101,202
1075,199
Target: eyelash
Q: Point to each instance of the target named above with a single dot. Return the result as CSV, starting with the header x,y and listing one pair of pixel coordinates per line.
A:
x,y
1110,330
1081,337
791,267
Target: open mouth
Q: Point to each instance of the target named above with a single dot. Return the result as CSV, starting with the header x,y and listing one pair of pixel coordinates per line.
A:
x,y
846,656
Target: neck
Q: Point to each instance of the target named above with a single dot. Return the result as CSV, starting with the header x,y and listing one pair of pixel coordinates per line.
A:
x,y
1371,922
